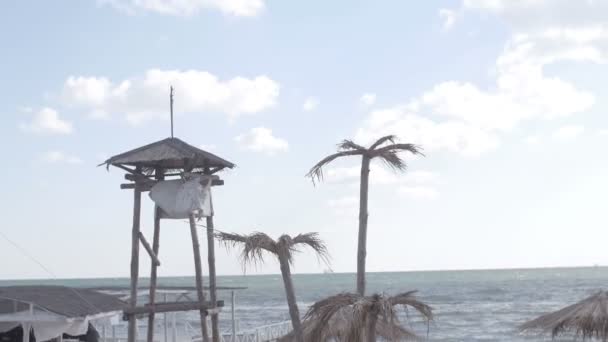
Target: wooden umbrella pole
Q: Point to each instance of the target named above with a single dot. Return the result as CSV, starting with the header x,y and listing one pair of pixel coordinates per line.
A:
x,y
215,330
154,266
199,275
134,262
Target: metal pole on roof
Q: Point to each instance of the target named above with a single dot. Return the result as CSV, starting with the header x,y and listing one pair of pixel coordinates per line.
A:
x,y
171,105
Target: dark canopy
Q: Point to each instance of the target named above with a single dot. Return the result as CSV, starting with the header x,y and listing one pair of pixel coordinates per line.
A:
x,y
65,301
169,154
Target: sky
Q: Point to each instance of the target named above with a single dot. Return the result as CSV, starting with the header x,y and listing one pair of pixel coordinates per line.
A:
x,y
507,98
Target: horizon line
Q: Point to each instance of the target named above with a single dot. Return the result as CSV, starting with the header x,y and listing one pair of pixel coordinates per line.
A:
x,y
319,273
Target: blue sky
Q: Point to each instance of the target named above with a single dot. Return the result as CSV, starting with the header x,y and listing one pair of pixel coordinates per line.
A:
x,y
506,97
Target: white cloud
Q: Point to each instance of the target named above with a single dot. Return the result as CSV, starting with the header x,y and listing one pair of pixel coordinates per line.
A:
x,y
603,132
47,120
454,136
553,29
532,140
379,175
59,157
260,139
448,17
530,14
342,174
568,132
368,99
348,201
343,202
310,104
421,176
344,205
469,119
146,97
419,192
239,8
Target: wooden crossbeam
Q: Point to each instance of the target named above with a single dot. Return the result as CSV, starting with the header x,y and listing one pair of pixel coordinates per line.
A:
x,y
146,245
170,307
134,172
137,177
143,178
147,185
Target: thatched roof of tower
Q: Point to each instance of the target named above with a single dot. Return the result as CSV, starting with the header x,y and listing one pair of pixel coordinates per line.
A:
x,y
169,154
587,319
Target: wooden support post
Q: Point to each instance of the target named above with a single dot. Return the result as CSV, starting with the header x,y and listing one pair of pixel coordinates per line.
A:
x,y
199,275
173,327
215,331
232,304
132,334
159,173
150,250
165,325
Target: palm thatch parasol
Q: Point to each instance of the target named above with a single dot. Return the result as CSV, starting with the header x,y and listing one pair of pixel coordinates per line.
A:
x,y
385,149
256,244
587,318
354,318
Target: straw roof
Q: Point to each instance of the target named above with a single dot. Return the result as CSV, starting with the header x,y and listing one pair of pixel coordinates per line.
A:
x,y
339,325
587,318
61,300
347,317
169,154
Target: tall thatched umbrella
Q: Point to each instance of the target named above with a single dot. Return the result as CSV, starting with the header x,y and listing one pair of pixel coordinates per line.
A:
x,y
587,318
283,248
354,318
389,154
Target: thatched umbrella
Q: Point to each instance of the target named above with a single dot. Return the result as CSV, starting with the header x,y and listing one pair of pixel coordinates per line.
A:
x,y
354,318
389,154
283,248
587,318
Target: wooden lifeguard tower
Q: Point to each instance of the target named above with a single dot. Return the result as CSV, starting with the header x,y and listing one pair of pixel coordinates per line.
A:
x,y
145,166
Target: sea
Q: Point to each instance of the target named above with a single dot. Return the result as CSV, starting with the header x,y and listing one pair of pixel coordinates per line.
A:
x,y
480,305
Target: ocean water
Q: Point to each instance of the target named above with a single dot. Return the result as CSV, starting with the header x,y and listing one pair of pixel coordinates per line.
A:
x,y
468,305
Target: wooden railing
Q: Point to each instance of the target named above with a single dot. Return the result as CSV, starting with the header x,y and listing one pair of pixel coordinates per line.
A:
x,y
266,333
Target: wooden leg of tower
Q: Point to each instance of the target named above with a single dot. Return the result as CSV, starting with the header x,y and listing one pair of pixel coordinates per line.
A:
x,y
199,276
215,331
153,273
132,334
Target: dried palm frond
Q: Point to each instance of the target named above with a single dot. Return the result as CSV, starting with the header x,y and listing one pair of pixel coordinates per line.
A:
x,y
407,300
412,148
347,145
389,155
314,241
324,317
392,160
390,138
285,246
587,318
316,172
254,245
347,317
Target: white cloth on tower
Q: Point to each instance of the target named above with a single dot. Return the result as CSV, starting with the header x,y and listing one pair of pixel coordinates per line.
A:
x,y
179,198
